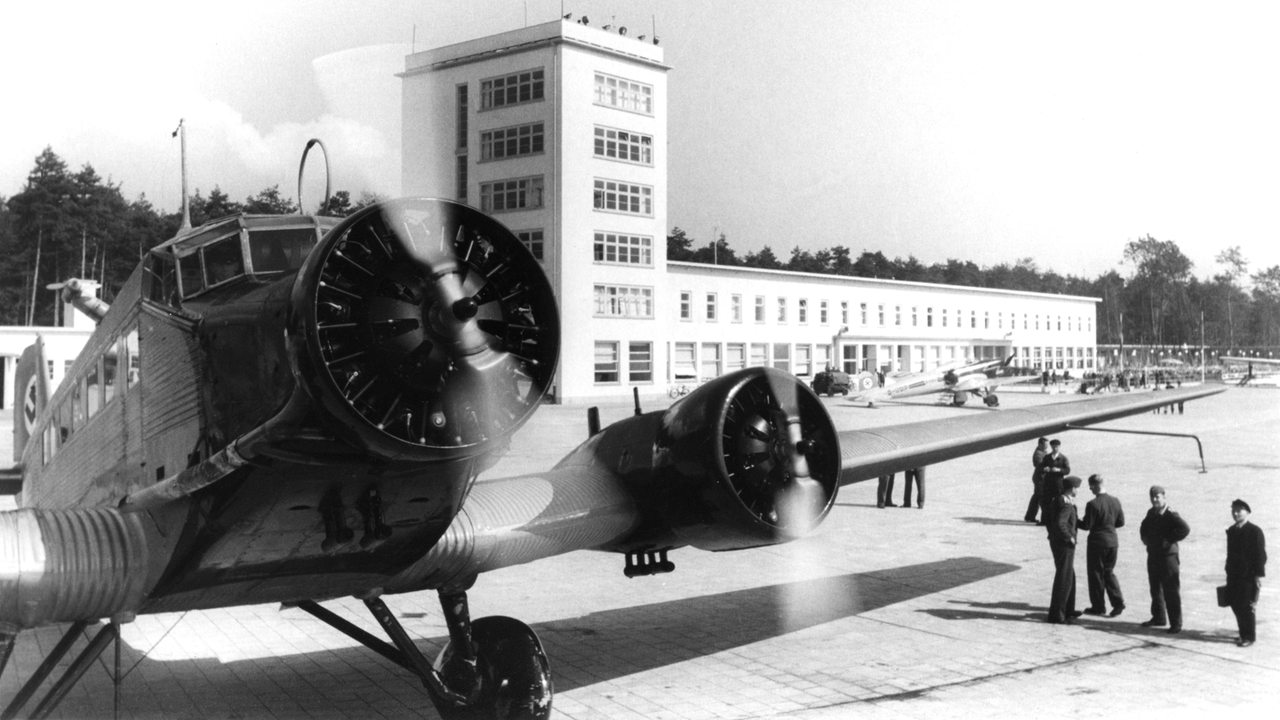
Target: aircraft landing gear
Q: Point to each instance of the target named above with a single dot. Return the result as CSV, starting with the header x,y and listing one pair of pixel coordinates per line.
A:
x,y
992,400
492,669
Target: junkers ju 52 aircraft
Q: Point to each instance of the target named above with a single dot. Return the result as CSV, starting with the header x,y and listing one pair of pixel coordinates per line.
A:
x,y
290,409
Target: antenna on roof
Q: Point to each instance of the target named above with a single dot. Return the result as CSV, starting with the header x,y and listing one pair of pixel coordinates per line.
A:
x,y
186,207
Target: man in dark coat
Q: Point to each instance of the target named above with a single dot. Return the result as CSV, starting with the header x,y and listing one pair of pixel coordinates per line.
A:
x,y
1246,566
1061,524
1161,531
1053,468
1037,455
1102,515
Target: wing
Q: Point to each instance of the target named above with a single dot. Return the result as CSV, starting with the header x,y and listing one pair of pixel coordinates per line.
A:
x,y
870,453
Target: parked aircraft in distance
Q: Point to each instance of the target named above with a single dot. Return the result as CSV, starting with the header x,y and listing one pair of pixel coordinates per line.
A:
x,y
1270,376
290,409
952,382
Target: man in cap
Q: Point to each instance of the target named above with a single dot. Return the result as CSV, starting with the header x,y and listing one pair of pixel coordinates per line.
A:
x,y
1053,468
1161,531
1102,515
1246,566
1061,524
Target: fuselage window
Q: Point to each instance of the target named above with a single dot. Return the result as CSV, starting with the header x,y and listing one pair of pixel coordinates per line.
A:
x,y
65,426
93,392
108,375
280,250
223,261
77,405
131,357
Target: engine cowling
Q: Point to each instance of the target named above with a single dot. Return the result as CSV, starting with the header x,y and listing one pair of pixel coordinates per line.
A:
x,y
425,330
750,458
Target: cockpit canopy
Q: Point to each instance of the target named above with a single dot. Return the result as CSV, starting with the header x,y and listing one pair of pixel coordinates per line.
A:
x,y
257,246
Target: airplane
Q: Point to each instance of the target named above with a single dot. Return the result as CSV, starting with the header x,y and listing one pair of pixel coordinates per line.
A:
x,y
954,382
291,409
1249,376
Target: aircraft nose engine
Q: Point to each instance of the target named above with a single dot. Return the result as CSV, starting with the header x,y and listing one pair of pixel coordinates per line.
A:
x,y
424,328
750,458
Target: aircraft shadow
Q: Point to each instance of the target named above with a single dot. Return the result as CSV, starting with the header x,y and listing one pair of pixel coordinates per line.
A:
x,y
584,650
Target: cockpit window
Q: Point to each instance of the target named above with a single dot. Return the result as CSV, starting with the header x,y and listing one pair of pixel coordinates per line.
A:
x,y
222,260
191,274
279,250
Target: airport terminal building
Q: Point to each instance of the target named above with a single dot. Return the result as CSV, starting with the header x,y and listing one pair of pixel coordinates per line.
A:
x,y
560,131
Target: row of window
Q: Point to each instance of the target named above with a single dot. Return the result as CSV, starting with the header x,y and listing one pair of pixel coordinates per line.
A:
x,y
698,361
91,392
527,194
530,86
885,315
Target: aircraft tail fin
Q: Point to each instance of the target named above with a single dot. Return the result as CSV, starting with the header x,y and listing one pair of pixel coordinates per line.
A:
x,y
31,395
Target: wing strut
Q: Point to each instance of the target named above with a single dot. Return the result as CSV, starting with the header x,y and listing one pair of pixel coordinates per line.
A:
x,y
109,632
1199,446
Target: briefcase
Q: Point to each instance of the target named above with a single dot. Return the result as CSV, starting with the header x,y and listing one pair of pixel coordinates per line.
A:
x,y
1223,600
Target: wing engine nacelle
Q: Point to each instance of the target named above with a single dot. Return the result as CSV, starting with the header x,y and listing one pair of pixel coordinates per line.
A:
x,y
424,328
750,458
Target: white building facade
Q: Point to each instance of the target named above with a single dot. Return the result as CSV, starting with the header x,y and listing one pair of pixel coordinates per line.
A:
x,y
559,130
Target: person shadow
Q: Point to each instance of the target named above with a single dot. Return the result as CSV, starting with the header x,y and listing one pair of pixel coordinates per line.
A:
x,y
1025,612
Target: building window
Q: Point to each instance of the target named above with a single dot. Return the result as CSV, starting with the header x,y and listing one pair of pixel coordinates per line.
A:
x,y
986,319
623,301
759,308
507,195
616,196
844,312
640,362
462,116
532,239
623,145
684,367
606,362
623,94
711,307
804,360
862,308
623,249
759,355
822,312
802,311
928,317
735,308
782,356
880,314
686,305
735,357
915,316
513,89
944,317
460,177
973,318
710,360
782,310
897,314
511,142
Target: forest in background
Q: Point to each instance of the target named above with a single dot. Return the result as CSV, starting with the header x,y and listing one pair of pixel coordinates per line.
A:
x,y
66,223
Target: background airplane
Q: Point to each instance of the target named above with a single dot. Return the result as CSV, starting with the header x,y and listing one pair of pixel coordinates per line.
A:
x,y
292,409
1269,376
952,382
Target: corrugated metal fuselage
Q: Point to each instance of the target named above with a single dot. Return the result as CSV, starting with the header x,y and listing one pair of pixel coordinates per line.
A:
x,y
310,516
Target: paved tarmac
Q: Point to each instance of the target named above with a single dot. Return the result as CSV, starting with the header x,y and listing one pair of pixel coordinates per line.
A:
x,y
880,613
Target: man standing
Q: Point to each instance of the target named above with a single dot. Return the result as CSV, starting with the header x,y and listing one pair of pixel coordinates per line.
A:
x,y
1102,515
1061,524
1033,507
1053,468
1246,566
884,491
1161,531
916,474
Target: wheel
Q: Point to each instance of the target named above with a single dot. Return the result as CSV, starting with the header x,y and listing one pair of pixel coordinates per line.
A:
x,y
991,401
515,676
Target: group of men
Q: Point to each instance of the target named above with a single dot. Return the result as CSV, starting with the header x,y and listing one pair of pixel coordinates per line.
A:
x,y
1161,531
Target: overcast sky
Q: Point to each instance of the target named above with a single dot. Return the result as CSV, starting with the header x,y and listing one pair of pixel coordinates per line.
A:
x,y
986,131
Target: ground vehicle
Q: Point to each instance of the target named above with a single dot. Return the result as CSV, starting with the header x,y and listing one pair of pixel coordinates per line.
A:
x,y
831,382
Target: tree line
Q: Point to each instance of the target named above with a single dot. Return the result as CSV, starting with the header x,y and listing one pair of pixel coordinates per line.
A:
x,y
1158,302
66,223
